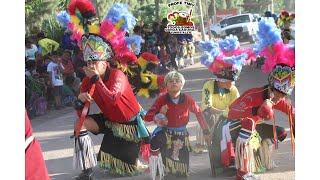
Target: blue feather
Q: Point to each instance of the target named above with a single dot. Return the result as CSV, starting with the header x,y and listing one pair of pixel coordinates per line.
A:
x,y
292,44
237,61
267,34
118,12
134,43
229,43
206,59
207,45
63,17
215,52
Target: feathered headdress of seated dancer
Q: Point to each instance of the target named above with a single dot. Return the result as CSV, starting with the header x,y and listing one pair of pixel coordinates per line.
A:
x,y
104,41
279,62
225,58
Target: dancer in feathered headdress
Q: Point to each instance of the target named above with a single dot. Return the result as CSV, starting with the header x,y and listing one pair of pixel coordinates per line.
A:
x,y
284,23
121,118
224,59
144,82
257,104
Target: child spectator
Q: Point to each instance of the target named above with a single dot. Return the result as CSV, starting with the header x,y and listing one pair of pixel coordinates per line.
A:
x,y
47,45
66,42
78,63
31,50
163,56
173,47
68,93
66,62
190,51
55,70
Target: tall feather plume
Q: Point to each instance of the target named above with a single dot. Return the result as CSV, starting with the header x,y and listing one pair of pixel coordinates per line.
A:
x,y
80,12
207,45
272,47
225,53
64,18
134,43
115,25
85,7
230,47
120,12
267,34
229,43
237,61
210,51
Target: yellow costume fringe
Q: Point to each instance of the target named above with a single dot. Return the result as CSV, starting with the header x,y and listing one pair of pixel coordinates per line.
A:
x,y
117,166
127,132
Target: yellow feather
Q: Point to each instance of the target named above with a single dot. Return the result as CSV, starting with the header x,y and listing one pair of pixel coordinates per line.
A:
x,y
94,29
76,21
142,63
154,82
117,27
144,92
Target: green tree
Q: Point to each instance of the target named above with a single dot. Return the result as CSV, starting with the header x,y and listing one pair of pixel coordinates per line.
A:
x,y
35,12
278,6
52,28
63,5
148,14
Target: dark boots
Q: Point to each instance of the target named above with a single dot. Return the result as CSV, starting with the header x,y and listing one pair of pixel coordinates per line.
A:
x,y
86,175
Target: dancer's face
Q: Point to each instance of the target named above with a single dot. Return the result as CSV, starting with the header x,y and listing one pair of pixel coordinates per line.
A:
x,y
277,96
174,85
100,66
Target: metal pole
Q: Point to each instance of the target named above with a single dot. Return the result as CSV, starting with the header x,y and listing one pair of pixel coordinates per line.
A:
x,y
214,11
201,20
208,20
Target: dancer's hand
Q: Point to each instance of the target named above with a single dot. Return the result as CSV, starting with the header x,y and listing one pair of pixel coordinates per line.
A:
x,y
266,110
84,97
90,71
164,109
208,138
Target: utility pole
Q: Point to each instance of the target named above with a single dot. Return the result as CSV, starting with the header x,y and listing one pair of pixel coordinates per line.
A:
x,y
201,20
157,10
214,12
208,20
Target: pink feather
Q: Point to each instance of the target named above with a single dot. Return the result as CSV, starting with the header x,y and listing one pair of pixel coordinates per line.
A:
x,y
251,55
106,28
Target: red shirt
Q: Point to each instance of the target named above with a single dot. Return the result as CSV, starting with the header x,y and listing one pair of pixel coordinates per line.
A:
x,y
177,114
35,167
113,96
68,67
249,102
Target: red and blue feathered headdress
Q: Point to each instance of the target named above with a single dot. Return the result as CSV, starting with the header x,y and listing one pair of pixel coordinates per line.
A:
x,y
104,41
225,58
280,57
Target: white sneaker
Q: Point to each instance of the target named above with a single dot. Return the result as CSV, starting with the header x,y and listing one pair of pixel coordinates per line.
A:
x,y
250,176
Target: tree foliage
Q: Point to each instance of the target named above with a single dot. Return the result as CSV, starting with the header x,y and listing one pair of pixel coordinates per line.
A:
x,y
35,12
52,28
278,6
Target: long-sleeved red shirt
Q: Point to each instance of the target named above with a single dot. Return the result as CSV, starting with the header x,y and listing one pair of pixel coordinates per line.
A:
x,y
35,167
177,114
113,96
247,104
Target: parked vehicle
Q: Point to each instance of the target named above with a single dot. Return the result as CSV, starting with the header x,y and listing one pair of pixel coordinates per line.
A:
x,y
244,26
216,28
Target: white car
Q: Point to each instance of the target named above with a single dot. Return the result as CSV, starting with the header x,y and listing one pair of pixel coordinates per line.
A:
x,y
216,28
244,26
